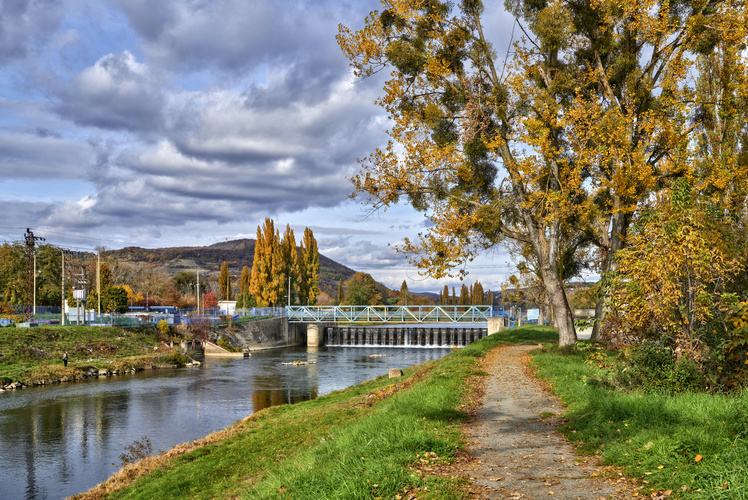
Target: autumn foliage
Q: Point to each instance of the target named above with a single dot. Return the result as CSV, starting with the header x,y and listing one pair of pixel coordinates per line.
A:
x,y
595,110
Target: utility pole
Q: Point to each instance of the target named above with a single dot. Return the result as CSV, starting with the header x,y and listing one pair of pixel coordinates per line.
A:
x,y
30,278
62,316
81,296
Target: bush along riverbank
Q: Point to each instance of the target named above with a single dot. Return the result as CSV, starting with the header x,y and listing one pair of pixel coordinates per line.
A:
x,y
385,438
34,356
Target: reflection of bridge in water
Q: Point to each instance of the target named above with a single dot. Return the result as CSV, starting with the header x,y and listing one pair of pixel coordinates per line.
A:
x,y
388,314
397,326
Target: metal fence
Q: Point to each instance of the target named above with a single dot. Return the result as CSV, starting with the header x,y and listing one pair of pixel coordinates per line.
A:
x,y
389,314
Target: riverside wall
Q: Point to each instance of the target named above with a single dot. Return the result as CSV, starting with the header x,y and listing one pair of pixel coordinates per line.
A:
x,y
265,334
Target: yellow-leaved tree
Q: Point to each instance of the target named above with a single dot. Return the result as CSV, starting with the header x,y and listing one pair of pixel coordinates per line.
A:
x,y
267,279
591,111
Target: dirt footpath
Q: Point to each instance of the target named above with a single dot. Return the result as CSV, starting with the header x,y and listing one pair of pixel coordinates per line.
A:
x,y
516,453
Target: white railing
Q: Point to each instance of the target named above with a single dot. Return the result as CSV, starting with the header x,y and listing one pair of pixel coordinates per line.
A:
x,y
388,314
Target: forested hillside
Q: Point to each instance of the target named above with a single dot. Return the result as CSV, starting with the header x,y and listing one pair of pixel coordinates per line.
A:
x,y
237,253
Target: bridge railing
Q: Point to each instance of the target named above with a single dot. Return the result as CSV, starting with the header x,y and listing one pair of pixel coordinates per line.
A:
x,y
388,314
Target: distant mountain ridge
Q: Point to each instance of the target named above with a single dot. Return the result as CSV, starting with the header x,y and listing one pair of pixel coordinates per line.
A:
x,y
236,253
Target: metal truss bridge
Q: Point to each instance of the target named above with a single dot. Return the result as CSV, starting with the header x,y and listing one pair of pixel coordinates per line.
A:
x,y
388,314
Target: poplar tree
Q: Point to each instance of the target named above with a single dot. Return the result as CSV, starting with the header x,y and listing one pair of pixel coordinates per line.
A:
x,y
478,295
445,295
341,292
464,295
224,282
309,267
244,300
265,281
290,267
404,294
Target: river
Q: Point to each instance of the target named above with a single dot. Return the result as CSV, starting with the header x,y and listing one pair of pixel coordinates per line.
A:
x,y
59,440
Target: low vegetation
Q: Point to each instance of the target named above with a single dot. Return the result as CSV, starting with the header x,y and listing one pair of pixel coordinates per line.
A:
x,y
34,355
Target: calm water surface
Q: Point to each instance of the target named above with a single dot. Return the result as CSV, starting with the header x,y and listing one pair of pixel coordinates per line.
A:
x,y
59,440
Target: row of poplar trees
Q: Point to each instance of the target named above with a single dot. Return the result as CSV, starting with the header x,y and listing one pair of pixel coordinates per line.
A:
x,y
279,269
473,295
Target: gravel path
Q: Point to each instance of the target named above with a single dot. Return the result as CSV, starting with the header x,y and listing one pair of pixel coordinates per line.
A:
x,y
519,455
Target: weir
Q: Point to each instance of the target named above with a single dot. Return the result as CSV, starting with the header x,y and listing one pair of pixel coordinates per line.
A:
x,y
402,336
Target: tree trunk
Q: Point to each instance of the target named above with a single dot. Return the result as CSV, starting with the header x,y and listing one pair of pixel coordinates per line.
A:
x,y
564,320
614,241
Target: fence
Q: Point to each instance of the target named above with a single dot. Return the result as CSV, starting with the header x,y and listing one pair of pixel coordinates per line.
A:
x,y
389,314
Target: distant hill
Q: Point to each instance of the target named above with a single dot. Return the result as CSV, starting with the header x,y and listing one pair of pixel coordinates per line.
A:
x,y
237,253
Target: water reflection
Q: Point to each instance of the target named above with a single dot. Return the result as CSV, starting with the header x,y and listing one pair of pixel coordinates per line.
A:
x,y
60,440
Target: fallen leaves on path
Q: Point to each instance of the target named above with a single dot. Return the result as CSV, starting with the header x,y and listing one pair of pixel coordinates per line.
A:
x,y
514,449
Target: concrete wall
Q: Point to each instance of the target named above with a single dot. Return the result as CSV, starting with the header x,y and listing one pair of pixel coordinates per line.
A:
x,y
264,334
210,349
495,325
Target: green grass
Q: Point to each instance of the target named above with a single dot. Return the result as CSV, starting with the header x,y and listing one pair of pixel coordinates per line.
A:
x,y
692,440
29,354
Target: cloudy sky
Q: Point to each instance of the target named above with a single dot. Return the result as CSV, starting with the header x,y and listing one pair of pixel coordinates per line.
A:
x,y
187,122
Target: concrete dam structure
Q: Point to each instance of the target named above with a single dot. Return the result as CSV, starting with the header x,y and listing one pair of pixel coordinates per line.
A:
x,y
403,336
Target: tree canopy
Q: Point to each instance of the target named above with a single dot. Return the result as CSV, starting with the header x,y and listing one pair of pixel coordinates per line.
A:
x,y
592,111
362,290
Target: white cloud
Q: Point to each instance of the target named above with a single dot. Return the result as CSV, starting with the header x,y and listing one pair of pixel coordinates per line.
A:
x,y
116,93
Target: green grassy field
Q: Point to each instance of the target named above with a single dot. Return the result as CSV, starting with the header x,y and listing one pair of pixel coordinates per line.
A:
x,y
32,354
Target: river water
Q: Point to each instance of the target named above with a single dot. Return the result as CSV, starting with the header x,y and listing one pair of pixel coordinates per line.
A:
x,y
59,440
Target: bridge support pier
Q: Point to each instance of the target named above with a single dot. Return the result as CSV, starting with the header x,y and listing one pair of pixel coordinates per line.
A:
x,y
314,334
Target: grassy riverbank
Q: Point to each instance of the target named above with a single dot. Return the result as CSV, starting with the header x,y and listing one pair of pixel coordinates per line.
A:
x,y
33,356
684,445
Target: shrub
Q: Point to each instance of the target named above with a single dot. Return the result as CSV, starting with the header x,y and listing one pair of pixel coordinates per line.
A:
x,y
225,343
652,366
136,451
163,327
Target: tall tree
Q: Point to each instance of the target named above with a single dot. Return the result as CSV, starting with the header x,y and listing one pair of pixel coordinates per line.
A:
x,y
244,299
266,282
591,115
477,294
362,290
290,266
341,292
464,295
404,295
224,282
445,296
310,265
